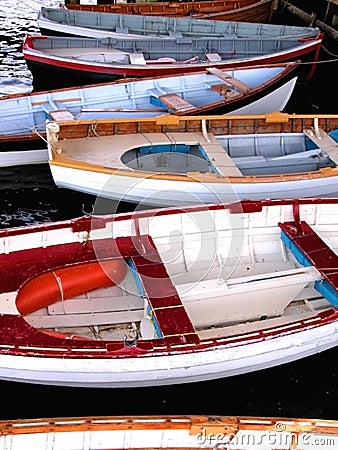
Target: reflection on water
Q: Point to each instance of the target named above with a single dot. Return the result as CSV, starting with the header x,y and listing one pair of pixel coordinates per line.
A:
x,y
17,18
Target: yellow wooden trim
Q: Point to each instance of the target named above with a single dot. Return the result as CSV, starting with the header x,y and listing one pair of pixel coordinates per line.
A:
x,y
194,177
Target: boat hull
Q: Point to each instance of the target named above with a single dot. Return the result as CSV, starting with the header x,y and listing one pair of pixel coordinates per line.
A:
x,y
62,22
222,361
151,191
67,71
248,11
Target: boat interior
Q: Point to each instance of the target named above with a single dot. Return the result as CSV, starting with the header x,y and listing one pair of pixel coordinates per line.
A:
x,y
144,98
174,27
205,276
163,51
224,155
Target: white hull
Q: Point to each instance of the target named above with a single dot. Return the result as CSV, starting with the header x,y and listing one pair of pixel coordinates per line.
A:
x,y
167,370
23,157
148,191
276,101
161,297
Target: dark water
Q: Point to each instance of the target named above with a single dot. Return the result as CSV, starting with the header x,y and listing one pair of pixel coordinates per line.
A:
x,y
306,388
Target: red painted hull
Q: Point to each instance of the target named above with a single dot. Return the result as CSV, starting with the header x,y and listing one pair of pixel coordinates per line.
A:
x,y
67,71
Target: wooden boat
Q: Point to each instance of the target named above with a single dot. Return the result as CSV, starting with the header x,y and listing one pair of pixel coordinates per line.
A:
x,y
168,432
260,89
58,21
69,61
171,160
260,11
167,296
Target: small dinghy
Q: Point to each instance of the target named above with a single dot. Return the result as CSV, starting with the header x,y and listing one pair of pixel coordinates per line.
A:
x,y
172,160
62,22
57,62
167,296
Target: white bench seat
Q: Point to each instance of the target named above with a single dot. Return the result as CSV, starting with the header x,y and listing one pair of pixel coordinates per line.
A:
x,y
324,142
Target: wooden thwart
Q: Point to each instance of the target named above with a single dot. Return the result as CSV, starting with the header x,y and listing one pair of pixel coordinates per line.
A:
x,y
220,159
310,249
137,58
165,304
177,103
324,142
61,115
224,89
229,79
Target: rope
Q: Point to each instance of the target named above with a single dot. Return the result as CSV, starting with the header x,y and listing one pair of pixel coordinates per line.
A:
x,y
331,54
41,137
92,128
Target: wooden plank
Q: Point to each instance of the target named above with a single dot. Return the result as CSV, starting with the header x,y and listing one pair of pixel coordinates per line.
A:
x,y
167,309
177,103
213,57
324,142
220,159
137,58
310,249
60,116
92,303
229,79
224,89
86,319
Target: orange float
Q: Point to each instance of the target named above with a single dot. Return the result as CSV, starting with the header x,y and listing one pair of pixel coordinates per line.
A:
x,y
68,282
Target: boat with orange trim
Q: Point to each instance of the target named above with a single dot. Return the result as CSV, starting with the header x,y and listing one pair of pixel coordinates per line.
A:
x,y
169,432
168,296
173,160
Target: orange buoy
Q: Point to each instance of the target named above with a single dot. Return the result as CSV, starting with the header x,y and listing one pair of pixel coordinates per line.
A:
x,y
68,282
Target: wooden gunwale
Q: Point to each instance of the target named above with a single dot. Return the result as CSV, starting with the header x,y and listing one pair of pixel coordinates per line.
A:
x,y
192,423
193,176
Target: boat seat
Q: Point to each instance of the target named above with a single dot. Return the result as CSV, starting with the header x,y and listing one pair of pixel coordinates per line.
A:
x,y
324,142
170,318
211,301
57,111
217,155
61,115
224,89
176,103
213,57
229,79
86,319
137,58
310,249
